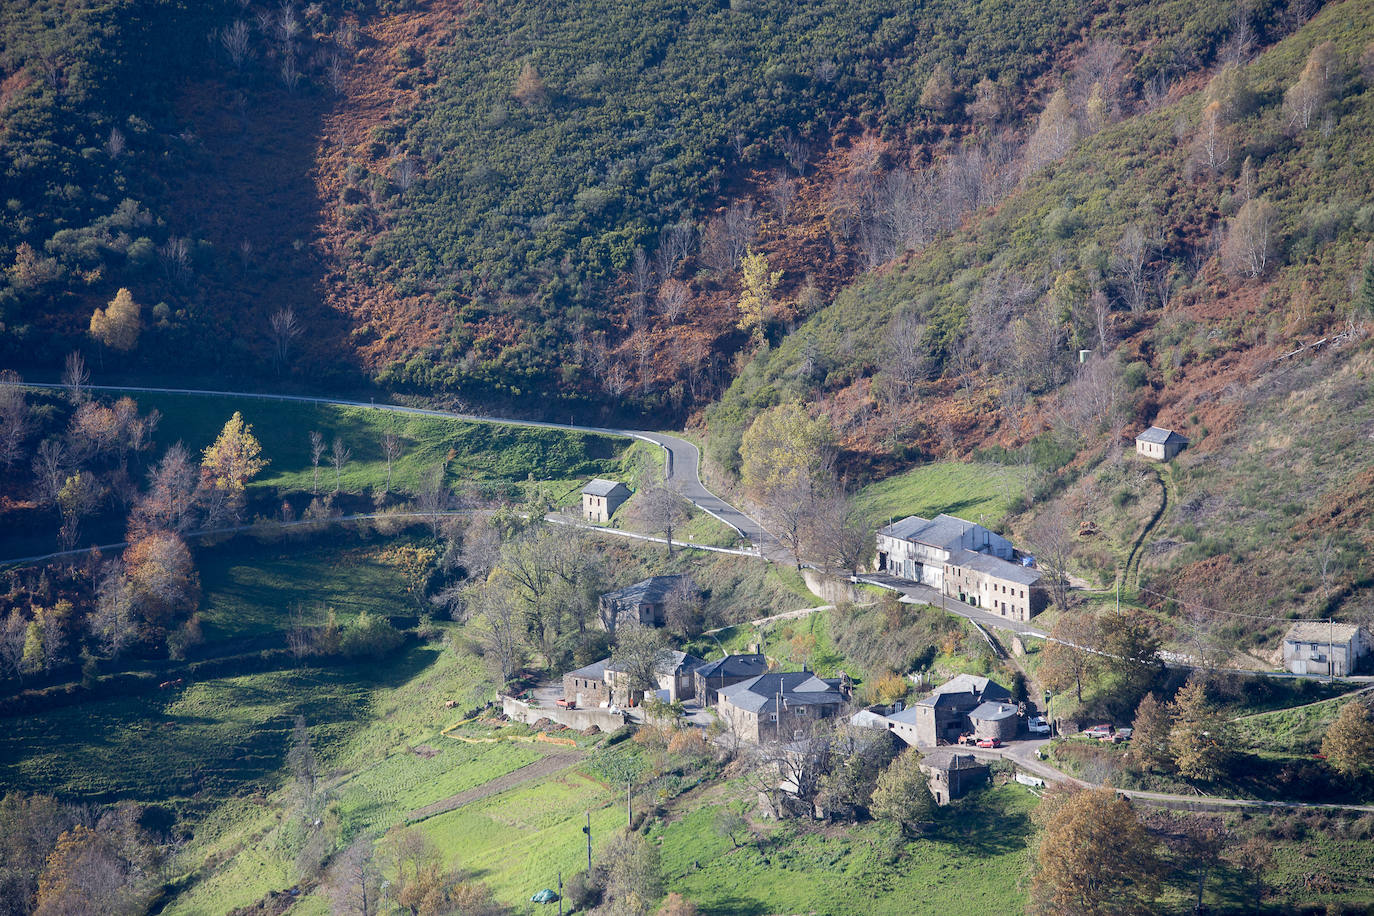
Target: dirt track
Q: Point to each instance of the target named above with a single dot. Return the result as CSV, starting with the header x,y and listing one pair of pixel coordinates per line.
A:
x,y
547,766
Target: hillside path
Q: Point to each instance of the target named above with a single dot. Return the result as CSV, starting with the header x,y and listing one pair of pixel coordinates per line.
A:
x,y
539,769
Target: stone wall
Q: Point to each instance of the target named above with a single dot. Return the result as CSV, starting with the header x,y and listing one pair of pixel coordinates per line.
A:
x,y
579,719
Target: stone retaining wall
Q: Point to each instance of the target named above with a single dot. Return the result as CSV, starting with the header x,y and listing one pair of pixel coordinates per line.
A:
x,y
579,719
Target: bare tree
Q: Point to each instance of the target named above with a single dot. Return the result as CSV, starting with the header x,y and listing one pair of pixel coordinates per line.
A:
x,y
910,361
404,174
290,73
392,445
660,508
14,418
501,630
354,880
1052,541
115,144
338,456
1128,264
839,537
674,247
782,192
316,452
235,39
50,466
672,299
797,152
1248,245
76,379
285,329
434,497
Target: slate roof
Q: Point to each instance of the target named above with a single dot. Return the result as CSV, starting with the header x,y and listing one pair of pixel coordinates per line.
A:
x,y
596,671
995,566
734,666
652,590
950,760
993,712
760,694
672,661
1158,435
602,487
964,690
944,531
1316,631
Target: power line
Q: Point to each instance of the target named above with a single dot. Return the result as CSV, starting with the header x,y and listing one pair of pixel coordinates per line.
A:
x,y
1203,607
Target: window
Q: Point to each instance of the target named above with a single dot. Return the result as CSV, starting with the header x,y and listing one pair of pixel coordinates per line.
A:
x,y
772,717
800,711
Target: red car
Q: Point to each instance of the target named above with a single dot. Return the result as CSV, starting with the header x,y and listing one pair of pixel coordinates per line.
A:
x,y
989,742
565,703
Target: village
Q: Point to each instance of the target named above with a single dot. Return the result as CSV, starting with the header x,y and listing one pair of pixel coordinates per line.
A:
x,y
960,727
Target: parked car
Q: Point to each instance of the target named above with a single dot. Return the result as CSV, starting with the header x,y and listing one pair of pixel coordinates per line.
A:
x,y
989,742
1037,725
966,739
1120,735
565,703
1101,732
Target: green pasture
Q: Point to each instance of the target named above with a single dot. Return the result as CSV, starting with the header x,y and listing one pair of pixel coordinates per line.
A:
x,y
979,492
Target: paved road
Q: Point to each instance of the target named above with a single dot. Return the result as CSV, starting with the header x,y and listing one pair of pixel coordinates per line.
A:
x,y
682,458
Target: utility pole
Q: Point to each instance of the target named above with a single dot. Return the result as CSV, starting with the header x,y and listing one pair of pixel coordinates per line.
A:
x,y
560,892
588,831
629,812
1118,593
1331,650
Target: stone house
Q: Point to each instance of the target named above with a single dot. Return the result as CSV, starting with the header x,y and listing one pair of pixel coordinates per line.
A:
x,y
1006,588
995,720
779,706
951,774
724,672
1317,647
587,686
644,604
606,682
601,498
944,715
1159,444
918,549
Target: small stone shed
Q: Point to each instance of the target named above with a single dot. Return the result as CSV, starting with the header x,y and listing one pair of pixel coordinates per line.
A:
x,y
601,498
1159,444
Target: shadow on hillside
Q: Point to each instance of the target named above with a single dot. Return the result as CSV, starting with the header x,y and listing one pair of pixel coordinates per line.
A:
x,y
982,828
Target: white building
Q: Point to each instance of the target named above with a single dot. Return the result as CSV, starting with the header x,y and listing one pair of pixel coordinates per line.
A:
x,y
1317,647
918,549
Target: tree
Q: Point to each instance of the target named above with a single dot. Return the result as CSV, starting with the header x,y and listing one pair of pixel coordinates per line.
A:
x,y
632,876
1094,857
162,578
1128,263
171,501
858,756
1212,145
500,630
1068,658
839,535
434,497
392,445
1149,747
76,379
29,830
732,825
529,86
338,456
757,286
284,330
1132,640
1230,90
1055,134
1315,86
14,633
14,418
902,795
234,458
1349,743
639,652
420,886
117,326
937,95
316,453
677,905
1053,544
81,494
782,444
354,880
113,621
1198,740
660,508
49,470
1248,245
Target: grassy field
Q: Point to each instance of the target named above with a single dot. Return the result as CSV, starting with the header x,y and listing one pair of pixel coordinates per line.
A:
x,y
974,863
252,592
982,493
473,452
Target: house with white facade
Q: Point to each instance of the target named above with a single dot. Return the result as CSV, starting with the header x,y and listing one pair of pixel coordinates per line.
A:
x,y
1320,647
918,549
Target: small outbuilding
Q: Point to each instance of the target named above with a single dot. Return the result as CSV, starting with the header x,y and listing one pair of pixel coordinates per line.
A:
x,y
951,774
1319,647
601,498
995,720
1159,444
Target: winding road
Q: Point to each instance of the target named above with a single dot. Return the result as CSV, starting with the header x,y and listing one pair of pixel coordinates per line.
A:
x,y
682,458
